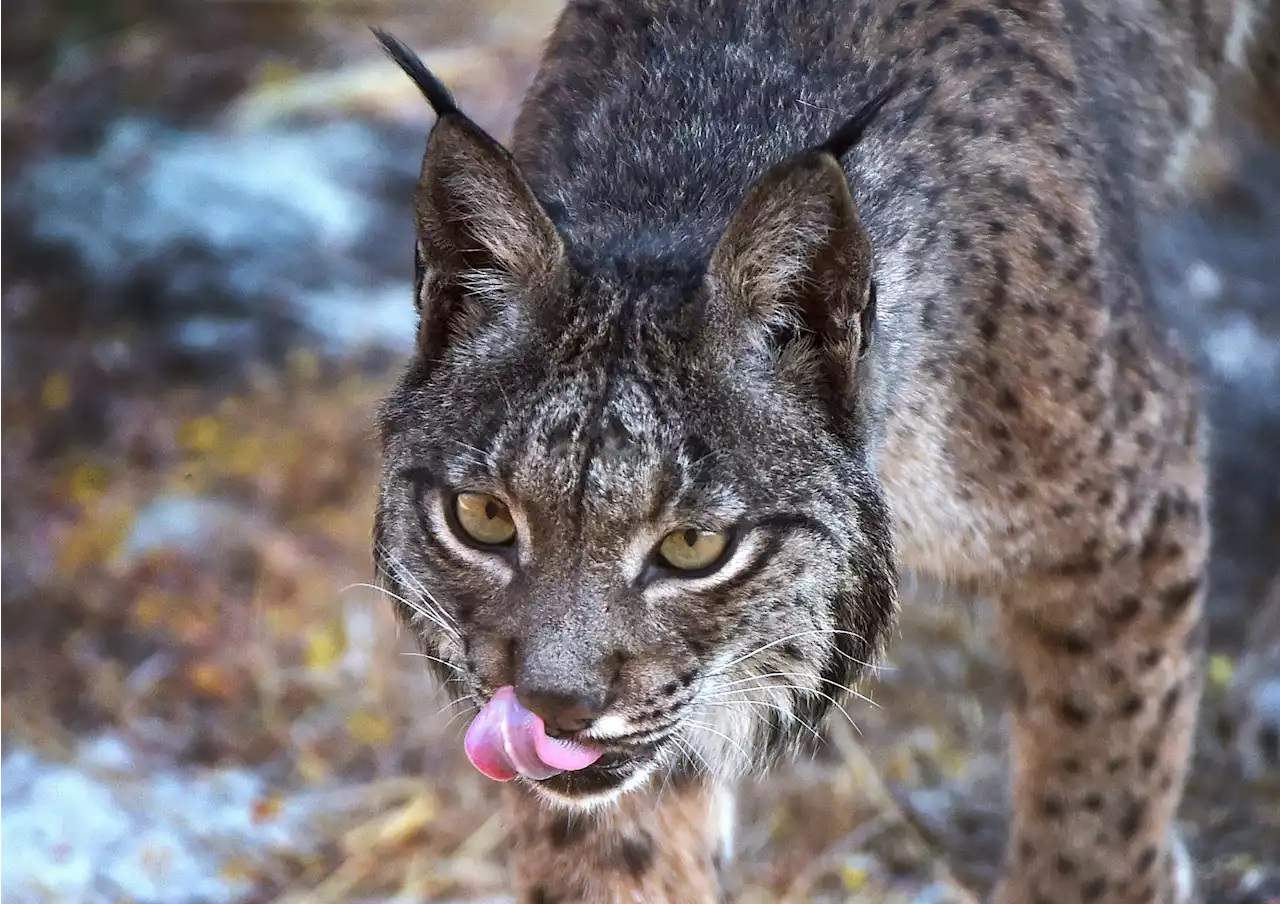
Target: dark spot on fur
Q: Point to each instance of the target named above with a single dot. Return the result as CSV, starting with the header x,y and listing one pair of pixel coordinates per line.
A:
x,y
1064,865
1176,598
1092,802
1170,702
1146,860
636,854
1093,889
1131,822
1074,713
1126,610
1131,707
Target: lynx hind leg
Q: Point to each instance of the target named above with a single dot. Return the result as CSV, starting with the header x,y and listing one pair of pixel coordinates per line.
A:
x,y
1107,652
664,845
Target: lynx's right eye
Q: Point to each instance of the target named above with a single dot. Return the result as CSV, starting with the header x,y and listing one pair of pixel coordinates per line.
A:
x,y
484,518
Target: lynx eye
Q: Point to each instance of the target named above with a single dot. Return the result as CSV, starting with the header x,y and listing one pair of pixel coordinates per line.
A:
x,y
691,549
484,518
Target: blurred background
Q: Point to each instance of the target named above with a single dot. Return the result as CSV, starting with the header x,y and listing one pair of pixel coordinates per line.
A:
x,y
206,288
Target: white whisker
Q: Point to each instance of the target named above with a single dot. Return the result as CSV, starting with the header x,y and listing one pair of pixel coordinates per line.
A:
x,y
466,698
796,676
715,731
442,662
693,751
431,615
796,687
788,714
781,640
405,576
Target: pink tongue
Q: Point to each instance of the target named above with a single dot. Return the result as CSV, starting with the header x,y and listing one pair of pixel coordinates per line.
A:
x,y
506,740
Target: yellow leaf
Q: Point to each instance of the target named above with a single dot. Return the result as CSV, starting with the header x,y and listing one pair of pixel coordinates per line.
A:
x,y
1221,668
149,609
325,646
312,767
854,878
56,393
210,680
86,483
369,729
409,821
200,434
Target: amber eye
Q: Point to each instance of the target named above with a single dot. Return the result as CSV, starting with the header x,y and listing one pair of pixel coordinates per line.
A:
x,y
484,518
691,549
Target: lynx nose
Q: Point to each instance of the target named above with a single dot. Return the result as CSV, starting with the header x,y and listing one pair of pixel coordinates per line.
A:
x,y
563,712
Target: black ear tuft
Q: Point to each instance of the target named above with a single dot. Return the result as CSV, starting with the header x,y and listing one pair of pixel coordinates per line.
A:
x,y
850,133
432,88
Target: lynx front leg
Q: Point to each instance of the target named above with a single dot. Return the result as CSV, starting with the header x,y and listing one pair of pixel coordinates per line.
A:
x,y
663,845
1106,651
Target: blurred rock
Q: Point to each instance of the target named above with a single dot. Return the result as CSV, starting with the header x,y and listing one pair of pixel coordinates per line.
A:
x,y
186,523
228,244
80,831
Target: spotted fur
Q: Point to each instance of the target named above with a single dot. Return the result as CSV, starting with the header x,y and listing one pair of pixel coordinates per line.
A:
x,y
675,302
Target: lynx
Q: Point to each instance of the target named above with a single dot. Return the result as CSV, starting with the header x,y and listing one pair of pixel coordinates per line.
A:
x,y
770,302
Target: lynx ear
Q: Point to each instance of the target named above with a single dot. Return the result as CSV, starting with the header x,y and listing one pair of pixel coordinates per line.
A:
x,y
476,216
484,241
791,275
795,261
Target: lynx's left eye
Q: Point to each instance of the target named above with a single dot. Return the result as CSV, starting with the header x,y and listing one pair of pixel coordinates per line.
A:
x,y
484,518
691,549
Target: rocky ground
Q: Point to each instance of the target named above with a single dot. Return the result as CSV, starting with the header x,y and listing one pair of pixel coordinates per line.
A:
x,y
205,291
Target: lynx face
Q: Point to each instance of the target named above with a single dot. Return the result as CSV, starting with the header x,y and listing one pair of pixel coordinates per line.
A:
x,y
633,483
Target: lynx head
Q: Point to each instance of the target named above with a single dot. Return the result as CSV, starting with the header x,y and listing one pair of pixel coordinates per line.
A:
x,y
633,482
